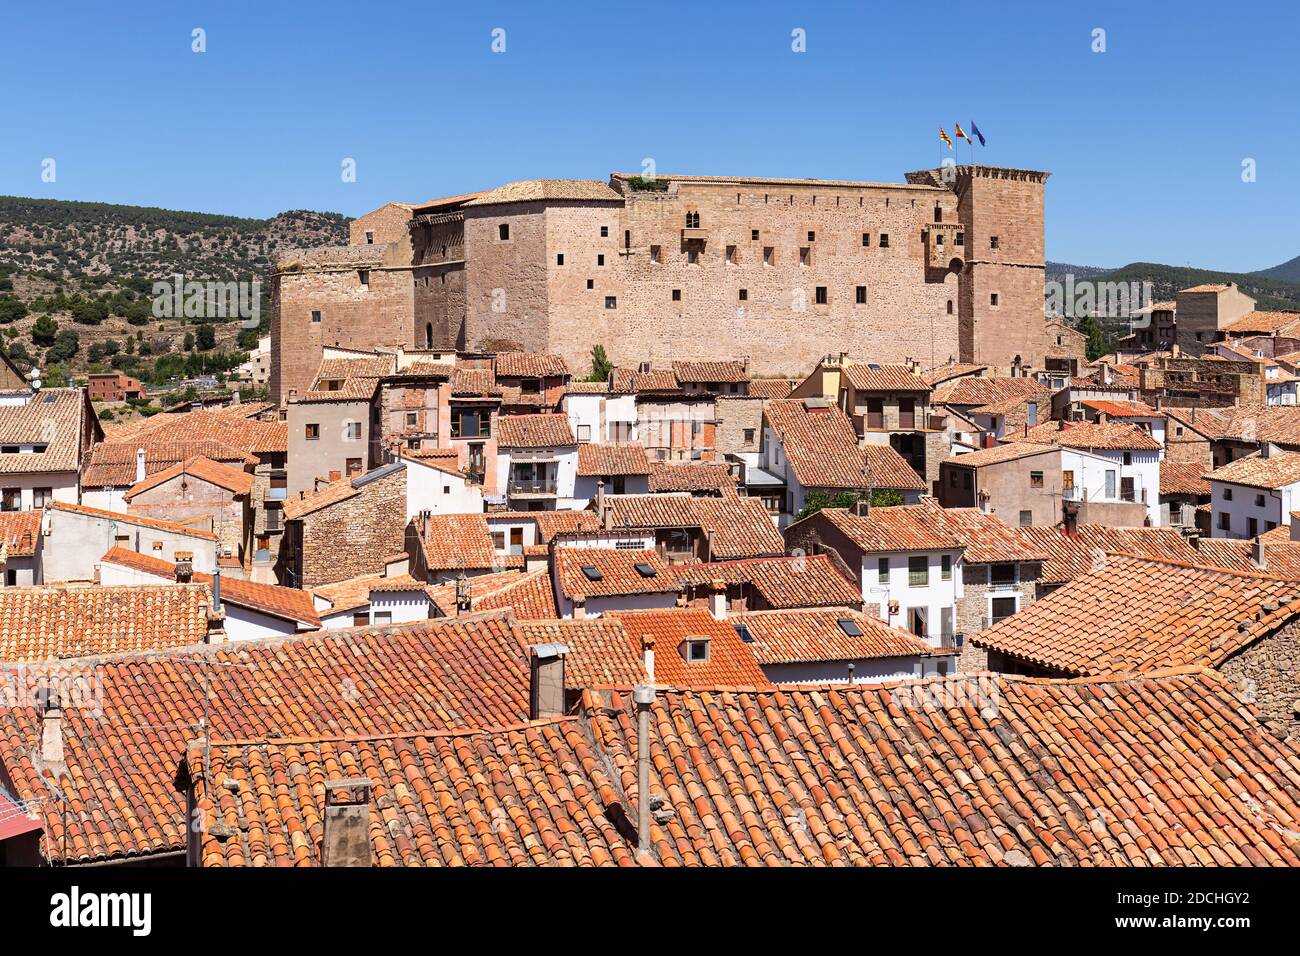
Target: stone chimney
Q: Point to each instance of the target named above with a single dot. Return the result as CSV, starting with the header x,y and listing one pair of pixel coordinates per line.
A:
x,y
52,729
139,465
346,841
579,607
184,567
546,688
600,499
1257,554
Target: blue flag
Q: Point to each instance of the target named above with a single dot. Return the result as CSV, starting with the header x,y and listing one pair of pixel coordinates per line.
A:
x,y
976,130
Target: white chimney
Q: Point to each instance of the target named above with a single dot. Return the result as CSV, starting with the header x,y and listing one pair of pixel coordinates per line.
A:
x,y
52,730
139,465
718,600
648,650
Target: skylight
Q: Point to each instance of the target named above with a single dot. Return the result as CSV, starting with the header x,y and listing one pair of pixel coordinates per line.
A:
x,y
592,573
645,570
849,627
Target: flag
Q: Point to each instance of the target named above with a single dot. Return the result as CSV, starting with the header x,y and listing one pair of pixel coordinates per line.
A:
x,y
961,133
976,130
944,136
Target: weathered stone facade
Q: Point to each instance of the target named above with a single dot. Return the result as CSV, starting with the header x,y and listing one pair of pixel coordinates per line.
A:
x,y
779,271
186,499
1267,675
351,537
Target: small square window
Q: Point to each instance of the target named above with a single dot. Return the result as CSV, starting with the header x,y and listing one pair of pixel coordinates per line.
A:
x,y
993,298
611,302
744,295
884,240
993,242
158,546
1227,494
604,232
753,235
591,283
820,294
503,231
559,258
1026,519
315,315
749,436
812,236
945,567
1224,521
1259,501
412,419
861,294
370,238
364,276
805,256
654,254
677,295
697,651
600,259
1035,479
882,570
769,255
866,239
312,431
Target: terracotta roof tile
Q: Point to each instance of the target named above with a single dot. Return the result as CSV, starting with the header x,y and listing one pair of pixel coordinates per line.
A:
x,y
288,603
458,542
691,476
601,652
232,427
814,635
898,528
1183,478
772,387
547,190
987,538
632,381
871,377
1072,555
43,623
1273,472
597,460
979,390
1136,614
797,581
52,420
529,365
543,430
731,662
18,533
711,372
1118,409
234,480
113,464
124,518
1000,453
617,571
1107,436
423,677
822,450
741,527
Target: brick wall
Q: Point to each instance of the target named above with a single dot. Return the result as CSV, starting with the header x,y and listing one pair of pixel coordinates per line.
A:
x,y
198,499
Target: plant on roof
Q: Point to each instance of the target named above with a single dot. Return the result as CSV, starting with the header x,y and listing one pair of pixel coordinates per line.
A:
x,y
642,185
601,366
817,500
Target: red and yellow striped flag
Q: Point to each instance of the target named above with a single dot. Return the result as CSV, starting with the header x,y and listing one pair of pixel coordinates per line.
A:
x,y
961,133
944,136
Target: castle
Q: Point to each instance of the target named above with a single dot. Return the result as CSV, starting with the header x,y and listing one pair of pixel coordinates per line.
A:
x,y
946,265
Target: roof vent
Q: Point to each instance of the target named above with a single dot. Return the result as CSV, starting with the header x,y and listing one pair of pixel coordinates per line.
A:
x,y
645,570
592,573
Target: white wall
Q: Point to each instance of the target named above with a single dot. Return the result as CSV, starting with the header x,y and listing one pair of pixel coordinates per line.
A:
x,y
436,491
1276,508
405,607
598,606
1090,469
933,597
62,483
564,468
866,671
75,543
584,488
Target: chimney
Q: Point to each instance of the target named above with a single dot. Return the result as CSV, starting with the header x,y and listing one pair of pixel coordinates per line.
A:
x,y
579,607
1257,554
184,569
346,841
52,728
718,599
546,690
644,697
1070,519
464,595
397,565
600,499
139,465
648,656
216,591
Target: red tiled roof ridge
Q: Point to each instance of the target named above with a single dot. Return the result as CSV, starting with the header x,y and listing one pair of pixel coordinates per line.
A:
x,y
404,735
132,518
1174,563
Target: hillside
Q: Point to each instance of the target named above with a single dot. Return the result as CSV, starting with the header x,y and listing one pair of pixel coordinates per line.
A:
x,y
76,282
1288,271
1269,291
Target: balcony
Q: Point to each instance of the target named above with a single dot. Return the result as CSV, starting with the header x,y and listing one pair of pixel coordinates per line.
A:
x,y
531,487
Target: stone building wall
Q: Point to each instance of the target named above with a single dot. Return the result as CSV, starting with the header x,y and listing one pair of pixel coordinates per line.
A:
x,y
197,499
1267,675
352,538
737,417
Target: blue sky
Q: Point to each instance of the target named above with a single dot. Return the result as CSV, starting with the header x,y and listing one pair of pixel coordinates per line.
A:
x,y
1145,141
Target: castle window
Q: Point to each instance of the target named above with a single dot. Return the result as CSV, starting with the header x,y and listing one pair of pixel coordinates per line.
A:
x,y
370,238
820,295
866,239
993,242
315,315
744,295
950,306
862,295
654,254
627,238
731,255
993,298
604,232
364,276
812,236
692,220
559,258
805,256
677,295
884,240
938,213
600,260
753,234
611,302
591,283
428,335
768,256
692,257
503,231
959,239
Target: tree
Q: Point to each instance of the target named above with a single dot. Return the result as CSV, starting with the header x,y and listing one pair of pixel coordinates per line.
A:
x,y
66,345
188,344
11,309
601,366
44,331
817,500
1099,343
207,338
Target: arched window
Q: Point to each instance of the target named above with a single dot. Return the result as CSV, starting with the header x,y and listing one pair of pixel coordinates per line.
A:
x,y
950,306
428,332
